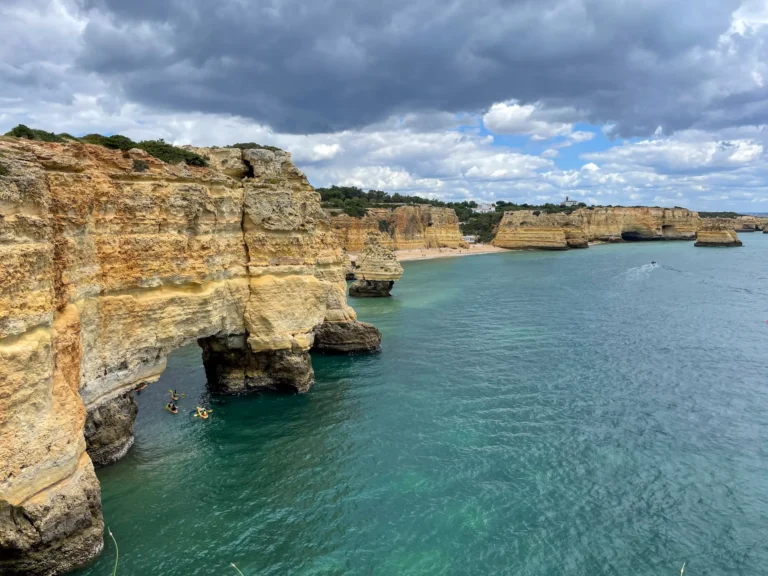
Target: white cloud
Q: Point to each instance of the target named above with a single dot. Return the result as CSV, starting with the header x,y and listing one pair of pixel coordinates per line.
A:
x,y
675,155
523,119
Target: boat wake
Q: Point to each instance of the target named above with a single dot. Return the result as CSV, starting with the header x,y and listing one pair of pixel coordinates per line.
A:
x,y
638,272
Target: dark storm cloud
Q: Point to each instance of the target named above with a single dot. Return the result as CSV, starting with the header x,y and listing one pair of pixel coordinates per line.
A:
x,y
308,66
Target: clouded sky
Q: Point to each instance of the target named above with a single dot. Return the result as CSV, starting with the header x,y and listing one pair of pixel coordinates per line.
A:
x,y
659,102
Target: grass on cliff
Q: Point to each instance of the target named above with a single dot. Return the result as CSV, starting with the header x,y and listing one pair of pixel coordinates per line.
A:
x,y
253,146
160,149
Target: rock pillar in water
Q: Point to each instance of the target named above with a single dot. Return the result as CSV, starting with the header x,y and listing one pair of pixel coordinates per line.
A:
x,y
109,429
346,338
233,368
715,234
377,269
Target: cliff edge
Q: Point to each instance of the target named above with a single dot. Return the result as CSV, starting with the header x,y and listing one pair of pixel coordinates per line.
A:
x,y
111,260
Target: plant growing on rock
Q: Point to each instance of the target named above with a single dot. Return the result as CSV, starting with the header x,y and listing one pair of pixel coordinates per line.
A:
x,y
22,131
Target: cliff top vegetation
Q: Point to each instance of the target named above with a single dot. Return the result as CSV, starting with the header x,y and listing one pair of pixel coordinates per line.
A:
x,y
719,214
160,149
252,146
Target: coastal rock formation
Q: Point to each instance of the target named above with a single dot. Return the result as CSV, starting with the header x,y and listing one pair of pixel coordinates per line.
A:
x,y
533,230
717,232
111,260
109,429
346,338
403,228
526,230
637,223
376,271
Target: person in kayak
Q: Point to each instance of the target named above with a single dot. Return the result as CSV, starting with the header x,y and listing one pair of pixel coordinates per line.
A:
x,y
172,408
174,395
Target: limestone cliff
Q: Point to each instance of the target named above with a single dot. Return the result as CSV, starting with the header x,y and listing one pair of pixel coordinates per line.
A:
x,y
717,232
741,224
109,261
377,269
529,230
404,228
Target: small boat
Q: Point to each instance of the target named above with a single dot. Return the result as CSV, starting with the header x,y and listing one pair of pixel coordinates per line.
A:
x,y
173,410
141,388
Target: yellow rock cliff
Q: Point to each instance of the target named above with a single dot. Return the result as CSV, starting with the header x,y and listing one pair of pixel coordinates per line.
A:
x,y
529,230
404,228
109,260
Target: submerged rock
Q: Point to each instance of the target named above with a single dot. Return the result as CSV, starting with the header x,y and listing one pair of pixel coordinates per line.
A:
x,y
346,337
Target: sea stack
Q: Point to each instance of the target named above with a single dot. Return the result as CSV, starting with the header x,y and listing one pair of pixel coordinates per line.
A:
x,y
716,234
377,269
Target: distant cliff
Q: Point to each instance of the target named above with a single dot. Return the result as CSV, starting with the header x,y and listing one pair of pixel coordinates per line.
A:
x,y
403,228
532,230
111,259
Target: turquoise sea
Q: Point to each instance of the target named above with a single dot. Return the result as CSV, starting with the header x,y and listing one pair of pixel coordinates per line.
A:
x,y
578,413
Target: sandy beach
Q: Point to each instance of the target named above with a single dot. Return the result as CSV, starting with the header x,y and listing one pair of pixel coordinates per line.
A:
x,y
432,253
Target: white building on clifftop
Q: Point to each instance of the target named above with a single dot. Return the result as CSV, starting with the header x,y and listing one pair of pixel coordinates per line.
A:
x,y
485,208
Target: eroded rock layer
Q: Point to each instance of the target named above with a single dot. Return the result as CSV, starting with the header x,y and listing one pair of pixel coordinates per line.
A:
x,y
377,269
531,230
404,228
346,338
109,260
717,232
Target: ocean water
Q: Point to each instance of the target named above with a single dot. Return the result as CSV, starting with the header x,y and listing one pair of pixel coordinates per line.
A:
x,y
579,413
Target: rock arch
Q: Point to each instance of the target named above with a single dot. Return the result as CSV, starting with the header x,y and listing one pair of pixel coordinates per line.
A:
x,y
103,272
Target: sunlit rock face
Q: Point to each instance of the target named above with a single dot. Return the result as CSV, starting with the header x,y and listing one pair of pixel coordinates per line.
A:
x,y
377,269
403,228
717,232
527,230
110,260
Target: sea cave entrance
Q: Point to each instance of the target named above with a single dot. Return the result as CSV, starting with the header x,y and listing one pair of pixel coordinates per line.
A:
x,y
637,236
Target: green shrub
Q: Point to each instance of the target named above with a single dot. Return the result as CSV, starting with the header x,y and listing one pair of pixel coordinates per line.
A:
x,y
160,149
3,170
114,142
171,154
22,131
253,146
140,165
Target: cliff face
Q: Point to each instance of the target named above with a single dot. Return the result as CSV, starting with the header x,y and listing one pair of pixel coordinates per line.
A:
x,y
404,228
740,224
526,230
110,261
